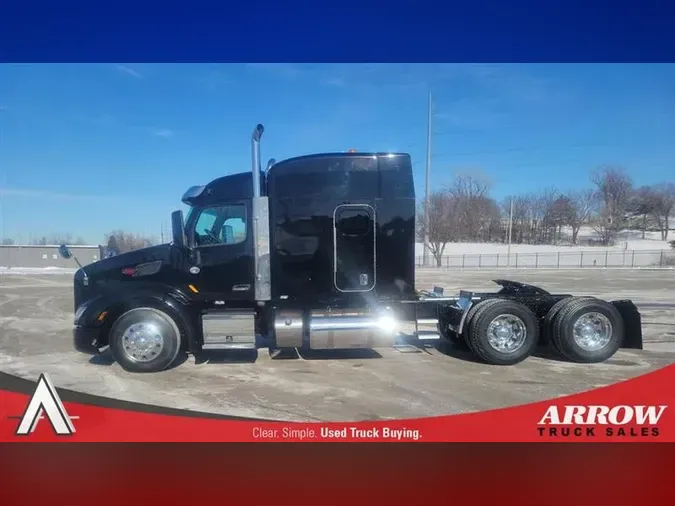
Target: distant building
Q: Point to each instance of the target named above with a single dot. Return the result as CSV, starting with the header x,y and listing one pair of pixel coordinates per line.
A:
x,y
17,255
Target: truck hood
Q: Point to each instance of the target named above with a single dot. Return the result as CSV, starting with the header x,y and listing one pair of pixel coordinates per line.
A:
x,y
161,252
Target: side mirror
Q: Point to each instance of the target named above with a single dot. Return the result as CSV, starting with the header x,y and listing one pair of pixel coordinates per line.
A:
x,y
65,252
178,229
228,234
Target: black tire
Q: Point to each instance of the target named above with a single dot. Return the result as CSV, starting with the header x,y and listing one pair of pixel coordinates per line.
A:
x,y
469,317
562,330
167,330
477,331
549,320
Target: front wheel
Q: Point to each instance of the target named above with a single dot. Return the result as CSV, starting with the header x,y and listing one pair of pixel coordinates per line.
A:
x,y
502,332
145,340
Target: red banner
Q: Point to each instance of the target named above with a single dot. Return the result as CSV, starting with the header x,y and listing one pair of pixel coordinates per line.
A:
x,y
636,410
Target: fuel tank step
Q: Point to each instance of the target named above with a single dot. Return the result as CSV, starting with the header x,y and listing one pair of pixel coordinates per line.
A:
x,y
229,330
228,346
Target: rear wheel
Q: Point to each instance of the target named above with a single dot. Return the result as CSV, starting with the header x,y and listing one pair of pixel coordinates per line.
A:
x,y
502,332
469,317
587,330
547,324
145,340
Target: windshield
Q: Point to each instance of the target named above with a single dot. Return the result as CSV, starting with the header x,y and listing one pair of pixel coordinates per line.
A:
x,y
189,214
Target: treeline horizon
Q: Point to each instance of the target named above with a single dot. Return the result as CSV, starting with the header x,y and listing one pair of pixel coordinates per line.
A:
x,y
464,211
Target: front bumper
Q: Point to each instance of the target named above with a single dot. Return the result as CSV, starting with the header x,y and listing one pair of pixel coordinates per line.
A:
x,y
85,340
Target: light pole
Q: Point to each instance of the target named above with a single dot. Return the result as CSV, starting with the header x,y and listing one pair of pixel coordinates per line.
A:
x,y
425,258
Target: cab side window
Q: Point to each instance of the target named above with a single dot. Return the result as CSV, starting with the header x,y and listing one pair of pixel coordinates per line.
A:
x,y
221,225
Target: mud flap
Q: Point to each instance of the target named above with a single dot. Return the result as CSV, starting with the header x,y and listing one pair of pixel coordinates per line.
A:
x,y
632,324
455,315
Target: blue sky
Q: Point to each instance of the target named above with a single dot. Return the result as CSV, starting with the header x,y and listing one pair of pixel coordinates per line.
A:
x,y
88,148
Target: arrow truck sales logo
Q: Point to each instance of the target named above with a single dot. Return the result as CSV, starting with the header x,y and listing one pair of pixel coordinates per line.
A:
x,y
46,401
608,421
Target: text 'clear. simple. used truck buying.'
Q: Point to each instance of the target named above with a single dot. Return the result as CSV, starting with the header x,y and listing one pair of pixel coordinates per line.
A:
x,y
316,252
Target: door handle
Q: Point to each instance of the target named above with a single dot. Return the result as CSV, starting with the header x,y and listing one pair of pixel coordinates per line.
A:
x,y
241,288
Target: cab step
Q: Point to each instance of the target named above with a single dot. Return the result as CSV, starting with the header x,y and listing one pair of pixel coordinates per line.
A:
x,y
407,348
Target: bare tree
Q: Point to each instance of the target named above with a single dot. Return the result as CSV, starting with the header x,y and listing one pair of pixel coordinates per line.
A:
x,y
441,224
521,217
491,224
7,241
584,205
125,241
540,204
614,187
52,239
473,210
642,205
605,228
559,214
663,203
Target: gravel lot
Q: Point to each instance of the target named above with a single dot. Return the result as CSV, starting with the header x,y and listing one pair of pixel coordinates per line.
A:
x,y
35,337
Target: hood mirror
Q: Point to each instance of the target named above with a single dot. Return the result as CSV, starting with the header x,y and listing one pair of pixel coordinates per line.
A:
x,y
65,252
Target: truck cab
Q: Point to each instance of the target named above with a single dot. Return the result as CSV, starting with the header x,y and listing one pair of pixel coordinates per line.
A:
x,y
314,251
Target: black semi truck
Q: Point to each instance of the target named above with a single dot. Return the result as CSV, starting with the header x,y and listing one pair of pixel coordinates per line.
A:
x,y
316,252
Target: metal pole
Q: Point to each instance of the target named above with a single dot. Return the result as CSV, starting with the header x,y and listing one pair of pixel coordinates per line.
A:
x,y
508,255
426,197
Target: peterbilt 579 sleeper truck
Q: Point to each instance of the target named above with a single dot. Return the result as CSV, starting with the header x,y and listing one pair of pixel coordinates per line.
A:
x,y
316,252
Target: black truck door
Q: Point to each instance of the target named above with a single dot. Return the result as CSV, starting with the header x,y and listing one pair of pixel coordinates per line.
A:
x,y
354,242
222,234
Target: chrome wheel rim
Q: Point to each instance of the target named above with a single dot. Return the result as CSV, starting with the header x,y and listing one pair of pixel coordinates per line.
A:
x,y
507,333
592,331
142,342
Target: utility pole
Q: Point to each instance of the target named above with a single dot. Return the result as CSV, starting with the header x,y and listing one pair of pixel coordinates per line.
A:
x,y
508,255
425,259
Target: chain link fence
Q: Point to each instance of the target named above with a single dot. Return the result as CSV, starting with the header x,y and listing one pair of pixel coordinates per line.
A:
x,y
629,259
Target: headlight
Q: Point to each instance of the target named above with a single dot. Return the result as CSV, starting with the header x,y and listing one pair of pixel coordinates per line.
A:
x,y
78,314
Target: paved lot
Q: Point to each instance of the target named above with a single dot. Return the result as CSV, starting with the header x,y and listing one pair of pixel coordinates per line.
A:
x,y
35,337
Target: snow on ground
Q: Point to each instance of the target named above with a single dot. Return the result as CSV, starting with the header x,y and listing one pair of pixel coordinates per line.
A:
x,y
630,240
23,271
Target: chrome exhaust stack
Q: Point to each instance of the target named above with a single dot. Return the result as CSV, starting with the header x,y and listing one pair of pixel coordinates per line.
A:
x,y
255,158
261,224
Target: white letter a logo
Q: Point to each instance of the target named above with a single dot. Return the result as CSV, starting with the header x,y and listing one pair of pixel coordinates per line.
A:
x,y
45,399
